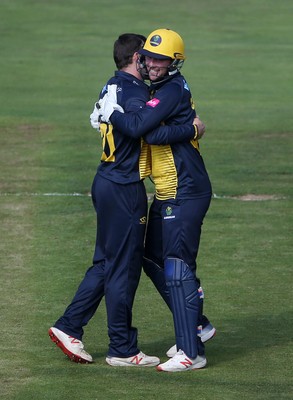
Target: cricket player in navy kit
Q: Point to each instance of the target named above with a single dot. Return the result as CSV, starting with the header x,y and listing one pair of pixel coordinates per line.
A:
x,y
183,193
120,202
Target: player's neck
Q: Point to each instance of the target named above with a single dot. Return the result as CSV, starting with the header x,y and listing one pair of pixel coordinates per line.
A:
x,y
131,69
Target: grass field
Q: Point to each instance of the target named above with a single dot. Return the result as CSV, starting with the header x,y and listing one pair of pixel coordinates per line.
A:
x,y
55,57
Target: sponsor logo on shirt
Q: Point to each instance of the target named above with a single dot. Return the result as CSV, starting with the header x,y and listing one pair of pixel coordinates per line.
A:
x,y
153,102
186,86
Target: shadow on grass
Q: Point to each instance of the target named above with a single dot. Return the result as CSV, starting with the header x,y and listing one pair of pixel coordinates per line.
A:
x,y
234,339
237,337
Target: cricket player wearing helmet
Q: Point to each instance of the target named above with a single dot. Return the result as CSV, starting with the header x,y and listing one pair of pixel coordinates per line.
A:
x,y
183,194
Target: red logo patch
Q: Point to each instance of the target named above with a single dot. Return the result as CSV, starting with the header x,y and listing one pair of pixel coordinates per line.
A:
x,y
153,103
136,360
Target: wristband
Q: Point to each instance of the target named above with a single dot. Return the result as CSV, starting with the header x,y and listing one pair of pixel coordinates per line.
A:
x,y
196,131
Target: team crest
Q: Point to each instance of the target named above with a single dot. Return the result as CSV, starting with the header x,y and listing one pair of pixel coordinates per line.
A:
x,y
169,213
168,210
156,40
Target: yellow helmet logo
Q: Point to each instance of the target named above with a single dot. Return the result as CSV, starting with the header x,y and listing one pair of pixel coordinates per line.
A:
x,y
164,44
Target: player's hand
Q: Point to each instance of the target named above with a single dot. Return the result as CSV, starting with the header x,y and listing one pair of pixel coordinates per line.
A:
x,y
95,118
200,127
108,104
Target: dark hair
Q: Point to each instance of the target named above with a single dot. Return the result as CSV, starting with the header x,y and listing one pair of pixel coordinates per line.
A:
x,y
124,48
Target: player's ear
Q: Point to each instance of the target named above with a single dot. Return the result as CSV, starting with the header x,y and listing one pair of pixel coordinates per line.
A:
x,y
135,57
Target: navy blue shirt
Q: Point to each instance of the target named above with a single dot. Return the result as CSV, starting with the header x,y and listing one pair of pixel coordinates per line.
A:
x,y
120,160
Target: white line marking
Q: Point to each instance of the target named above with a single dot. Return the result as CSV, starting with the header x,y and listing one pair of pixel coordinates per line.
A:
x,y
47,194
150,196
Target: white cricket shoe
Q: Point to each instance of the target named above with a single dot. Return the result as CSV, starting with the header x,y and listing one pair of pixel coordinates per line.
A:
x,y
140,360
206,333
180,362
70,346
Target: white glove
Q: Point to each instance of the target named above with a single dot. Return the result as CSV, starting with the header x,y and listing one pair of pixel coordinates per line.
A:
x,y
108,104
112,93
95,117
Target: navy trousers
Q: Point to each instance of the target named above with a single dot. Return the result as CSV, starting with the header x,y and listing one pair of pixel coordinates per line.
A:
x,y
173,232
121,221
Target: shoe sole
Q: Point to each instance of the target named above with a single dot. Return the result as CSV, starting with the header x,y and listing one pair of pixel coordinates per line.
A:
x,y
117,363
73,357
208,336
195,367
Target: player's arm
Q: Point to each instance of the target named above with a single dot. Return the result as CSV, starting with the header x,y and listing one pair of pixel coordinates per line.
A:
x,y
170,134
148,118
